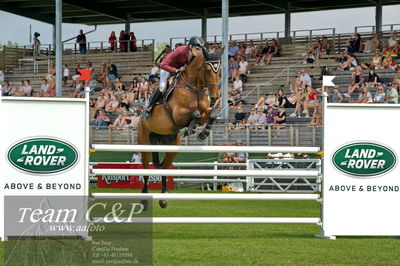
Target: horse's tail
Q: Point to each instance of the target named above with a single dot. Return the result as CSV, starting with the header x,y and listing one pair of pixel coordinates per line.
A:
x,y
157,139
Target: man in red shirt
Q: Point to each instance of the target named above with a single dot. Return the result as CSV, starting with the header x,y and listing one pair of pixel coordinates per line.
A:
x,y
173,63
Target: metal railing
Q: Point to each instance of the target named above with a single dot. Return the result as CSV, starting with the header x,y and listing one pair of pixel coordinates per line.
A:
x,y
371,28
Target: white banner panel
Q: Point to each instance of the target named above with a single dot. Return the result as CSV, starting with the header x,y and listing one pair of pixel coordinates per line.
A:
x,y
361,179
43,148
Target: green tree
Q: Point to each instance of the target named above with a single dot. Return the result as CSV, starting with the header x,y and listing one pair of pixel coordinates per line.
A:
x,y
159,48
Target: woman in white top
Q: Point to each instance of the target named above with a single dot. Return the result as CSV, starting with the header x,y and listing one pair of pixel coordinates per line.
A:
x,y
365,96
269,100
237,85
143,88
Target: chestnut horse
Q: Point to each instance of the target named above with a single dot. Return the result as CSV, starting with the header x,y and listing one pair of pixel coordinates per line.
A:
x,y
188,106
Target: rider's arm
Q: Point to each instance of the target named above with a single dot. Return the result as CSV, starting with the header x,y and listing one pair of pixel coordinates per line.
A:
x,y
166,63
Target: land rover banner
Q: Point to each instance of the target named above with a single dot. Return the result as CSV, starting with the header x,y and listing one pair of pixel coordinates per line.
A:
x,y
361,179
44,153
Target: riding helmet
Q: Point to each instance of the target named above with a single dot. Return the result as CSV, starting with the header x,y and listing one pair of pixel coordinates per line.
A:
x,y
196,41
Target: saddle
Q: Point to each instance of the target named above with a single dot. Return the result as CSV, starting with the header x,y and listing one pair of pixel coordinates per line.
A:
x,y
171,84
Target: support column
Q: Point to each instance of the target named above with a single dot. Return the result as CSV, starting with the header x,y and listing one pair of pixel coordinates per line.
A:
x,y
204,25
224,78
378,17
58,30
54,38
287,19
127,26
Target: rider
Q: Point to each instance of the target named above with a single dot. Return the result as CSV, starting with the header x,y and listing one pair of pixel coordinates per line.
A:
x,y
174,63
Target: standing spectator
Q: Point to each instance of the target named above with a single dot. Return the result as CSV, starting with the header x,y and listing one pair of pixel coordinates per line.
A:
x,y
6,88
392,94
112,40
122,41
81,39
132,42
154,72
102,120
65,74
112,70
305,79
233,49
336,95
354,44
36,44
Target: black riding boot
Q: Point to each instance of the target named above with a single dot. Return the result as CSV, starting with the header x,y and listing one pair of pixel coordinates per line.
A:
x,y
153,99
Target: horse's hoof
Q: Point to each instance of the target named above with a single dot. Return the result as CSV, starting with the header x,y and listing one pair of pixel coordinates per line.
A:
x,y
163,203
202,136
145,204
183,132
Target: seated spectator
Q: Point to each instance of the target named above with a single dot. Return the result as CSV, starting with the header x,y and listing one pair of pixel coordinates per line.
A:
x,y
227,157
90,67
103,74
355,44
282,99
238,100
372,44
136,157
144,89
76,76
15,91
6,88
154,72
316,119
232,68
132,42
305,79
25,90
350,63
112,70
100,102
52,70
231,101
44,88
122,120
237,85
270,117
239,121
326,45
357,79
252,119
291,100
102,120
51,92
273,51
336,95
397,76
133,92
376,62
113,41
310,100
135,120
240,157
342,57
261,119
79,88
119,86
112,105
379,96
268,100
263,54
250,50
242,70
108,87
316,48
392,93
123,104
373,78
242,50
364,97
391,44
233,49
388,61
66,74
280,119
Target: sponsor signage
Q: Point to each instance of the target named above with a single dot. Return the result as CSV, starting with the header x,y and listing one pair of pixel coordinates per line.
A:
x,y
133,182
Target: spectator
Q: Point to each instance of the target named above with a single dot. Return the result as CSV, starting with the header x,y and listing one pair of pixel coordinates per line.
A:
x,y
119,86
354,44
122,120
310,100
6,88
282,99
100,102
238,100
242,50
240,157
305,79
373,78
262,56
270,117
291,101
273,51
250,50
102,120
237,85
268,100
316,119
388,61
326,45
379,96
280,118
66,74
154,72
136,157
133,92
90,67
112,40
376,62
132,42
397,76
261,119
232,68
122,42
233,49
52,71
243,66
16,91
357,79
76,76
26,90
372,44
144,89
365,96
350,63
44,88
81,39
252,119
112,70
227,157
392,93
391,44
316,47
36,44
239,121
103,74
79,88
135,120
336,95
112,105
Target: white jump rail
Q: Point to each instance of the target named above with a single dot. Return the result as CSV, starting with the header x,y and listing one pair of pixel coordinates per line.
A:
x,y
206,196
202,149
184,172
211,220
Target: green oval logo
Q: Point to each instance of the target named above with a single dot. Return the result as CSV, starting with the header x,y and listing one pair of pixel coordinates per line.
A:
x,y
364,159
42,155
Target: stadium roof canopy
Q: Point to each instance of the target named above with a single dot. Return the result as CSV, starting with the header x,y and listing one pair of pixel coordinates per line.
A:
x,y
100,12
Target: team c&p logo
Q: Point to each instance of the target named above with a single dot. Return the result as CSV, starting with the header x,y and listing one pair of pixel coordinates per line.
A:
x,y
364,159
42,156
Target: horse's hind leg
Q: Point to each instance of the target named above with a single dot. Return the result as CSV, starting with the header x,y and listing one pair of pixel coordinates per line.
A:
x,y
205,132
191,129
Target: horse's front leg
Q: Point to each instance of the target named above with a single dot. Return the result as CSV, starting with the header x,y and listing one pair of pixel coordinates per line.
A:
x,y
191,129
205,132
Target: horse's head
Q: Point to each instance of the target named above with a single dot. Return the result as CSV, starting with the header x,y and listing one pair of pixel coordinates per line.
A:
x,y
212,66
